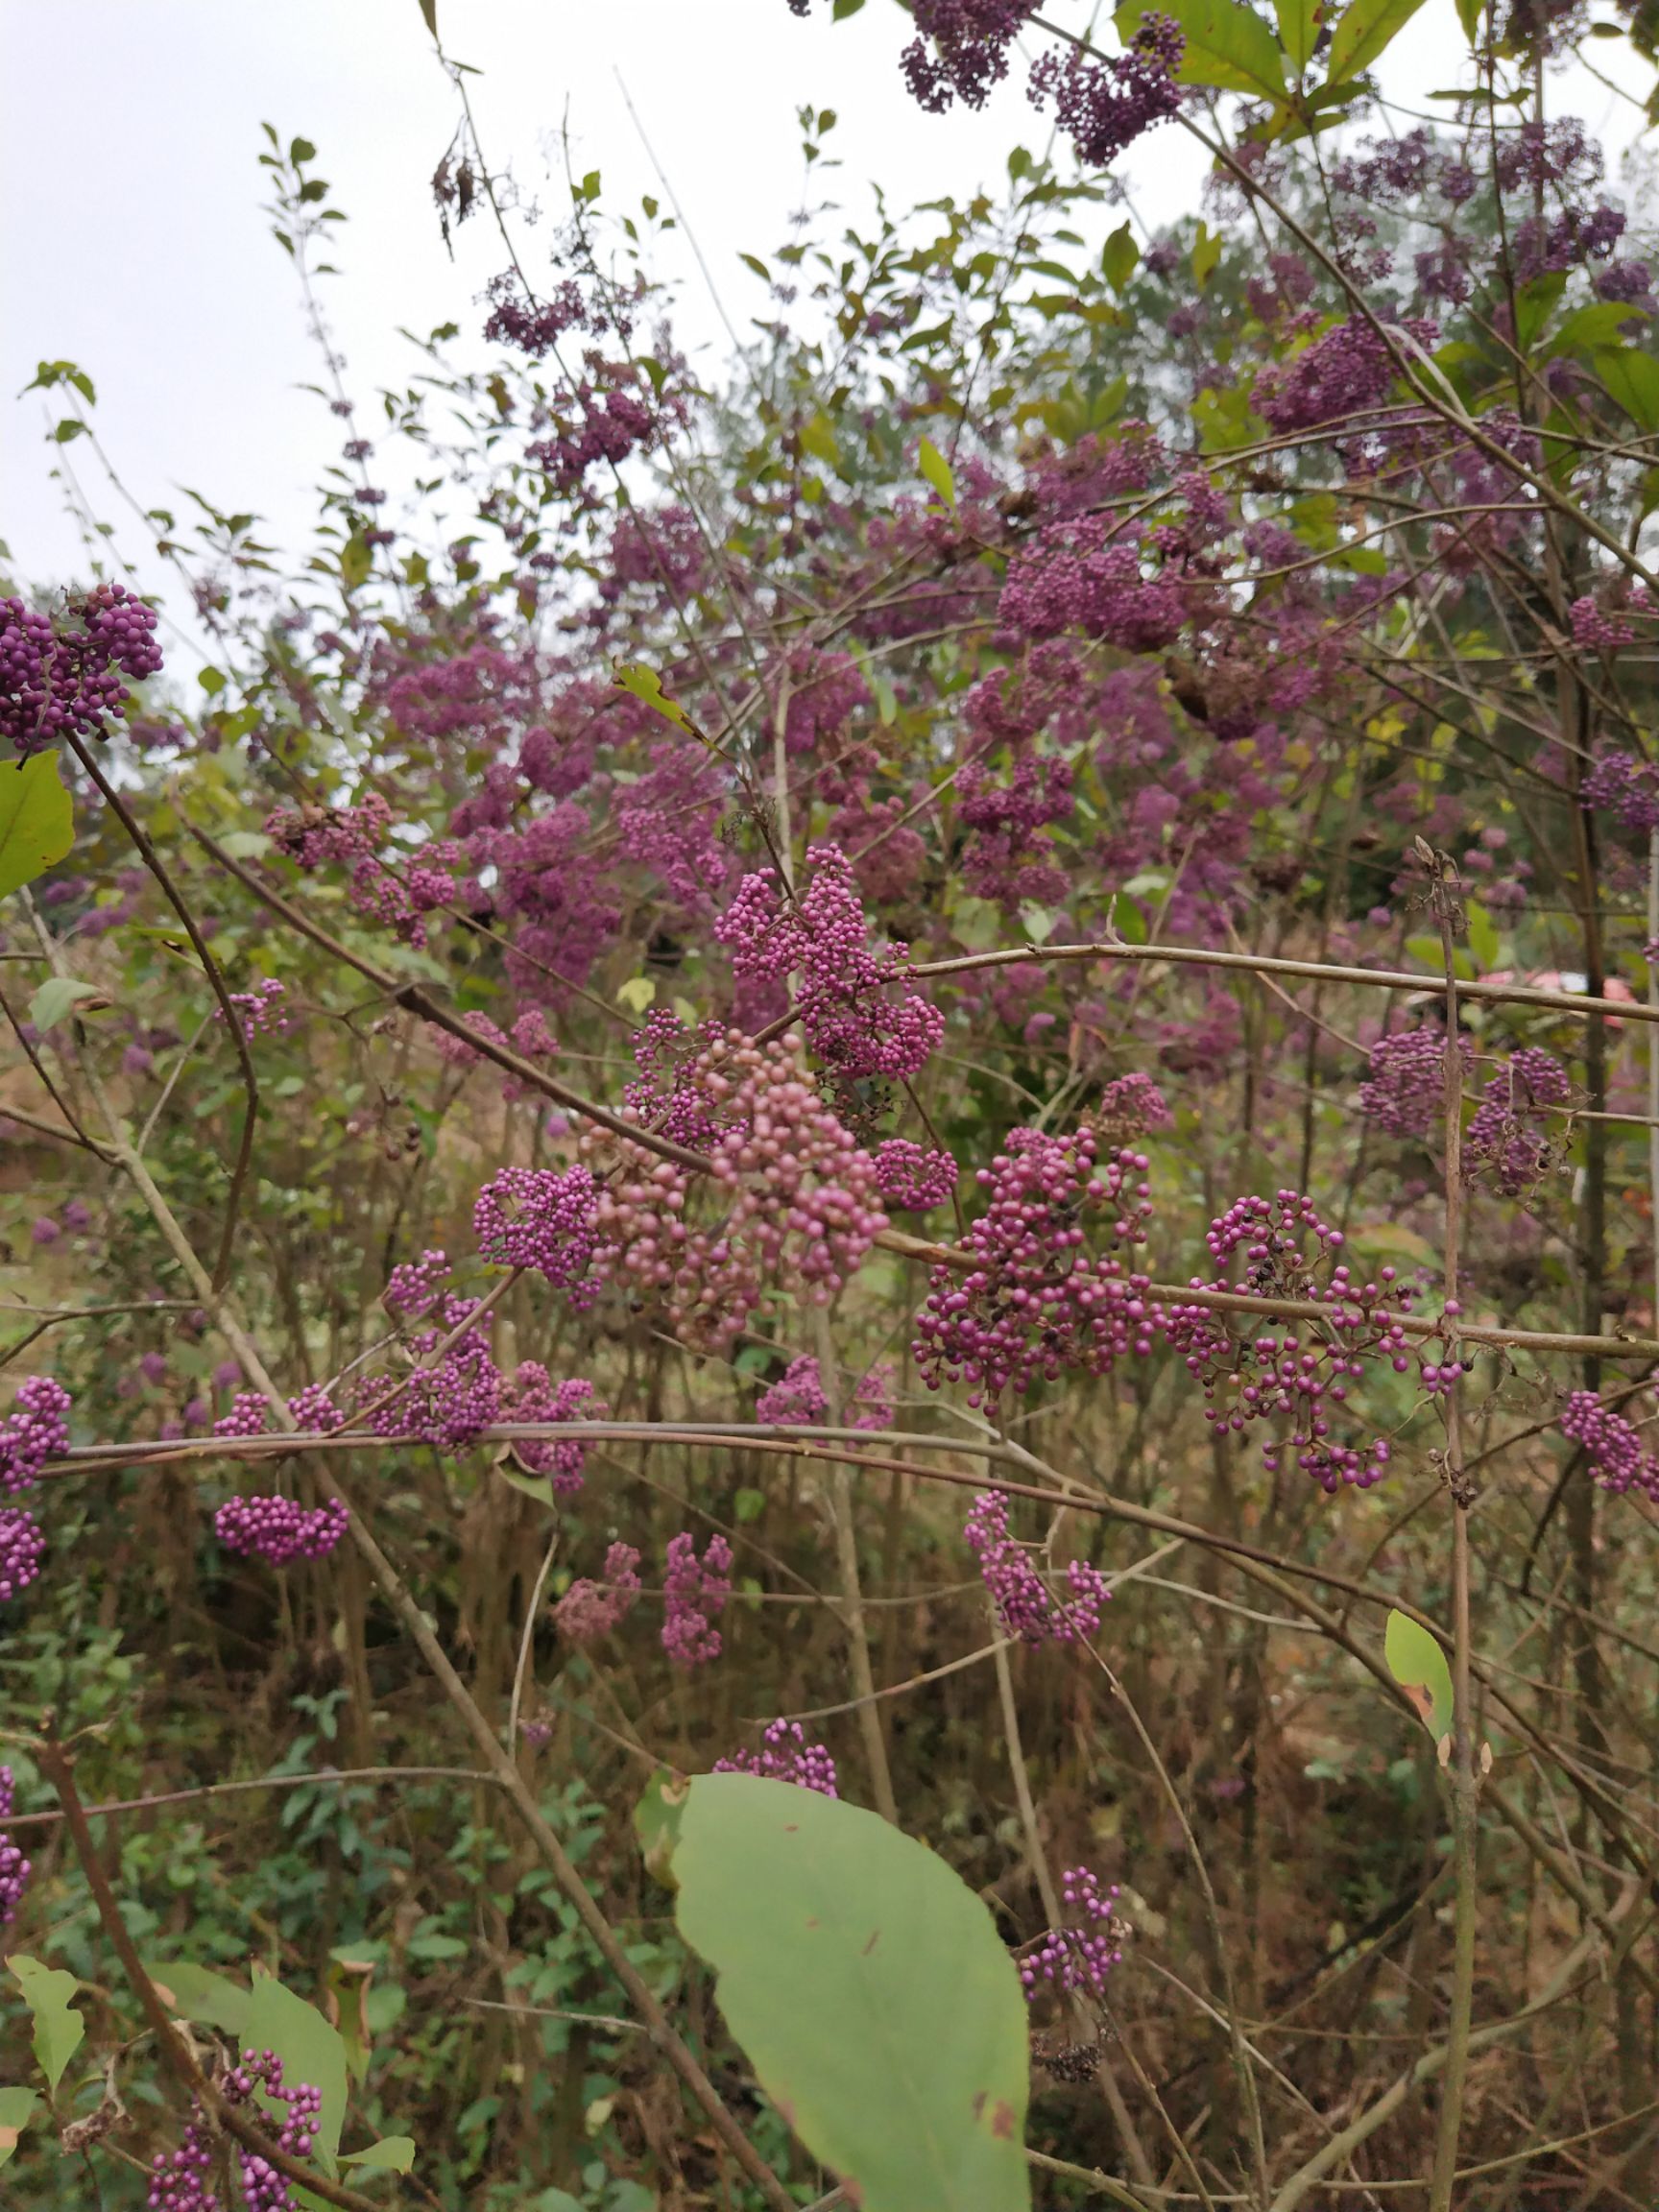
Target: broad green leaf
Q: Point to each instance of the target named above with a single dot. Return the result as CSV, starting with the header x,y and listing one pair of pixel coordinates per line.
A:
x,y
1417,1662
1120,257
246,843
537,1486
56,998
1595,326
1469,15
37,821
309,2049
1631,378
57,2026
646,686
1228,45
1484,940
937,470
637,992
198,1993
1298,29
1037,921
1364,31
657,1824
818,439
17,2111
356,559
869,1989
1206,252
392,2154
976,924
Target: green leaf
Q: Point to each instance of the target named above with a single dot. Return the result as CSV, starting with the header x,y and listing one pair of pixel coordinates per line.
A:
x,y
392,2154
1594,325
1228,45
1469,15
429,15
842,9
1037,921
37,821
537,1486
1365,29
355,561
1120,258
1483,941
55,999
1631,377
17,2111
937,470
1298,29
1206,252
310,2050
868,1988
1417,1662
657,1824
637,992
57,2026
198,1993
646,686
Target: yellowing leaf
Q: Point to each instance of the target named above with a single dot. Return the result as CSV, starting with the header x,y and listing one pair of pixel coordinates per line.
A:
x,y
637,994
646,686
937,470
1417,1662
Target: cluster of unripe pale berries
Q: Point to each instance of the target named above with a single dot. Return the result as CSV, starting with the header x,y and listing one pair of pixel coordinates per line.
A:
x,y
278,1529
14,1868
1036,1303
802,1207
35,1430
695,1592
1612,1445
786,1756
861,1012
1272,1375
1024,1603
68,678
1508,1131
181,2180
589,1609
1077,1958
911,1178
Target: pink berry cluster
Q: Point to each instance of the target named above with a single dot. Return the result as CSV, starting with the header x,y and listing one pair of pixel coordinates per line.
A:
x,y
14,1868
35,1430
249,1415
541,1219
672,1096
864,1016
1278,1377
68,676
911,1178
261,1009
315,1411
1508,1133
1037,1302
1104,104
181,2180
796,1399
278,1529
415,1285
453,1395
786,1756
1628,789
1077,1958
800,1204
589,1610
1594,630
1405,1093
1131,1104
530,1394
1024,1603
695,1592
1612,1445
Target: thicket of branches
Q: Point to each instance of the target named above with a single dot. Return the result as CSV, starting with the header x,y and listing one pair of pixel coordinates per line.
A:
x,y
937,1074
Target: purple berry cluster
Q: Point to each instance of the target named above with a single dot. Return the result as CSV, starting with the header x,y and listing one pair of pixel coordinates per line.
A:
x,y
1103,105
1612,1445
1037,1302
261,1009
1594,631
249,1415
695,1591
1077,1958
14,1868
181,2180
864,1016
786,1756
68,676
315,1411
532,1395
1024,1604
796,1399
589,1610
1280,1376
962,51
415,1285
1625,787
1508,1133
542,1219
35,1430
1130,1105
278,1530
911,1178
1404,1094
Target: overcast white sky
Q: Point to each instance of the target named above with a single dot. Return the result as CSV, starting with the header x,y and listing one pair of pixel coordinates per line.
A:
x,y
134,244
